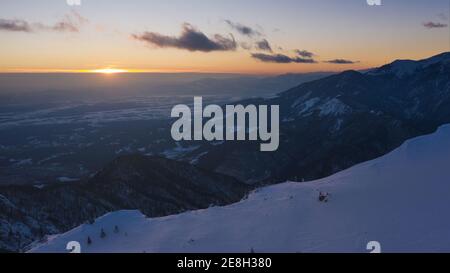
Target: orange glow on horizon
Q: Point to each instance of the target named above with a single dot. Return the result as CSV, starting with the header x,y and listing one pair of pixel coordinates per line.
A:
x,y
101,71
108,71
206,70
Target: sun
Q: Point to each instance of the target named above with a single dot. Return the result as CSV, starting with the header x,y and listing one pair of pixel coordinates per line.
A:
x,y
109,71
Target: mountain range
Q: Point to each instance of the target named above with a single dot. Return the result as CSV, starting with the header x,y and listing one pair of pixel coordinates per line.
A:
x,y
327,125
333,123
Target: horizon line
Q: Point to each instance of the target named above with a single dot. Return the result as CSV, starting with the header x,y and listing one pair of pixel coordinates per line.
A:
x,y
155,71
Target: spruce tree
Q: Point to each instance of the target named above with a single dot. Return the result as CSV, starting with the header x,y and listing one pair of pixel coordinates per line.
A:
x,y
102,233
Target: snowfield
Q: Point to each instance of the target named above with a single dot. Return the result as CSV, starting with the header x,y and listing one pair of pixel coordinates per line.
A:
x,y
400,200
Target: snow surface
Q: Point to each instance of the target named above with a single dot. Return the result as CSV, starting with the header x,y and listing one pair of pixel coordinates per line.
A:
x,y
333,107
400,200
67,179
325,107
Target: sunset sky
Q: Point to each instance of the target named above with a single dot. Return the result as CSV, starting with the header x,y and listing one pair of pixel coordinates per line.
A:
x,y
251,36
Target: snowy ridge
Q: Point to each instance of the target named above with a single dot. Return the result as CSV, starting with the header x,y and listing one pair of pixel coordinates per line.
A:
x,y
324,107
400,200
403,68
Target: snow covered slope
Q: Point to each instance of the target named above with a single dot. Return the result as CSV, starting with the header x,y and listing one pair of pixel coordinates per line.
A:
x,y
400,200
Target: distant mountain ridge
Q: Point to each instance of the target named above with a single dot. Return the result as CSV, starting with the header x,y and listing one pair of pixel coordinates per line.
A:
x,y
407,67
333,123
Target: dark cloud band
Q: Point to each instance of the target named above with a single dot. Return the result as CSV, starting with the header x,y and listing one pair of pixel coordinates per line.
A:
x,y
70,23
242,29
304,53
190,39
15,25
263,45
431,25
341,61
281,58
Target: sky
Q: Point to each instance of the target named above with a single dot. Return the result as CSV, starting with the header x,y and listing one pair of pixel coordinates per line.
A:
x,y
220,36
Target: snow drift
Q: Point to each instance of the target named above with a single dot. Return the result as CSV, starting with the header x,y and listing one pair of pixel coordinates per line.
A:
x,y
400,200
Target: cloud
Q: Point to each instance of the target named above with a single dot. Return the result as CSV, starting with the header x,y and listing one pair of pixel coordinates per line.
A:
x,y
190,39
242,29
341,61
15,25
304,53
431,25
263,45
70,23
245,45
65,27
281,58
